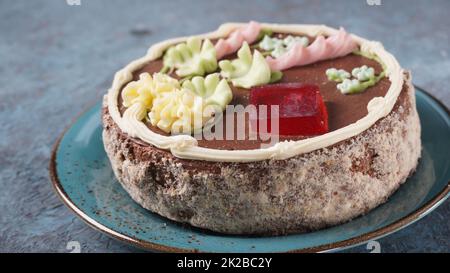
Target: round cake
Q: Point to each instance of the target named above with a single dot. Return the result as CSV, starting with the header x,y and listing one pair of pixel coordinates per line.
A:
x,y
262,129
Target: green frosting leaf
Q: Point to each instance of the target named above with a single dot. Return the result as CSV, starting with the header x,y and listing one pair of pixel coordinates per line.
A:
x,y
247,71
213,90
191,58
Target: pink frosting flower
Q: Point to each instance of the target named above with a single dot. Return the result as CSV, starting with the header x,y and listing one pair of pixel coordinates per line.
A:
x,y
248,33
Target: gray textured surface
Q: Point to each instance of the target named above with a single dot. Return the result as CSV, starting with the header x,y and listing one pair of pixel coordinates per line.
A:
x,y
56,60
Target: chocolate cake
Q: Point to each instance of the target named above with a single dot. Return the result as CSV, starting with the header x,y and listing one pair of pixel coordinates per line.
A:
x,y
348,129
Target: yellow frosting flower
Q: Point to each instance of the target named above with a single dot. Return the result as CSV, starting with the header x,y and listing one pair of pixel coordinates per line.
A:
x,y
176,109
146,88
138,91
189,108
172,111
163,83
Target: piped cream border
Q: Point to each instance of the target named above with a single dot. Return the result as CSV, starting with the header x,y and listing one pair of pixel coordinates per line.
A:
x,y
184,146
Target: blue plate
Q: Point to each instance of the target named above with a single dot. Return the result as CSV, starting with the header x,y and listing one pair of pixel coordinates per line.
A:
x,y
83,178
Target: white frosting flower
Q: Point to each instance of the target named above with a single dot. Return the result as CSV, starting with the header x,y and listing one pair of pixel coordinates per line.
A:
x,y
278,51
269,44
363,78
363,73
336,75
290,41
349,86
278,47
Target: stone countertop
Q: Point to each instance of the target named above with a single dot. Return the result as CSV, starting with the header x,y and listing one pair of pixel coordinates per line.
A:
x,y
57,59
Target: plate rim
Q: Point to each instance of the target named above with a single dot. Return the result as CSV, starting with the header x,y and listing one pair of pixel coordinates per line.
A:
x,y
409,219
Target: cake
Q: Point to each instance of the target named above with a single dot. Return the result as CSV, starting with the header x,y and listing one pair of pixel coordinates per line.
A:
x,y
342,131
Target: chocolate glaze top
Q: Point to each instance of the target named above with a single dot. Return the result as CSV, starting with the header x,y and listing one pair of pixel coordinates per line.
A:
x,y
342,109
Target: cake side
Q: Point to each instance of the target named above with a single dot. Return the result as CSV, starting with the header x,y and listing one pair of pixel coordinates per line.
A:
x,y
306,192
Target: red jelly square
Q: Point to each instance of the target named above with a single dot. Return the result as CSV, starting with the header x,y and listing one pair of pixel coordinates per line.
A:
x,y
302,111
